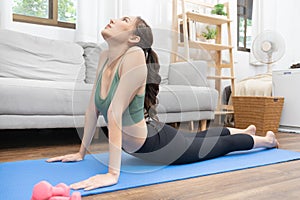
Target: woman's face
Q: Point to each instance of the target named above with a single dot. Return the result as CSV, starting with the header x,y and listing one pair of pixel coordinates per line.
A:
x,y
119,28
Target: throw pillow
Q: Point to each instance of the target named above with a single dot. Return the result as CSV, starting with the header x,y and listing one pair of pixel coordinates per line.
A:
x,y
91,57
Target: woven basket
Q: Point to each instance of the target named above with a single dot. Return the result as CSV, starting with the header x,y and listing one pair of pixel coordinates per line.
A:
x,y
263,112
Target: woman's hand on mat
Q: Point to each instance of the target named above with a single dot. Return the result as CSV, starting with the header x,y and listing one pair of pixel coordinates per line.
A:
x,y
100,180
75,157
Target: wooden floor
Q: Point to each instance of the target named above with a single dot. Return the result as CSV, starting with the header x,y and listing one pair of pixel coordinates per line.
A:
x,y
279,181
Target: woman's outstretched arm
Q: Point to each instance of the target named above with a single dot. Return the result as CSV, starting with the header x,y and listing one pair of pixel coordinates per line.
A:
x,y
91,117
133,74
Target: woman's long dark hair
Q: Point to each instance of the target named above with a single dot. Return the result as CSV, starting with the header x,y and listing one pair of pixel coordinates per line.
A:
x,y
144,31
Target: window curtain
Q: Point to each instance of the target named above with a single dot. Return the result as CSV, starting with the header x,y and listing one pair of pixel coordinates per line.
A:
x,y
264,14
5,13
158,14
92,16
257,26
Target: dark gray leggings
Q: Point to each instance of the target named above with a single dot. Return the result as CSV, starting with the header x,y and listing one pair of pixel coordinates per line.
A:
x,y
168,145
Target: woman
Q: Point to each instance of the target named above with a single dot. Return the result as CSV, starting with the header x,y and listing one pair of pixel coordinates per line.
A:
x,y
127,83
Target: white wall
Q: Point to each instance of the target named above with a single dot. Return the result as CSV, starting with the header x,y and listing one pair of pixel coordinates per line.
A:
x,y
287,24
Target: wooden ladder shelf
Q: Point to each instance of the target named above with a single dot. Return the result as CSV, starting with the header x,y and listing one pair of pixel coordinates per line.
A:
x,y
186,42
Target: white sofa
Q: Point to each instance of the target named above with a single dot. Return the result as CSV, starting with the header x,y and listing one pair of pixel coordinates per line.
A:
x,y
47,84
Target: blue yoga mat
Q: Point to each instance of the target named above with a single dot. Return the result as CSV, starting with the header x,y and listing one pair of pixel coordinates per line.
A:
x,y
18,178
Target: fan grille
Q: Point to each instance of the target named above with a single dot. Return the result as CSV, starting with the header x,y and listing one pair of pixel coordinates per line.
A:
x,y
268,47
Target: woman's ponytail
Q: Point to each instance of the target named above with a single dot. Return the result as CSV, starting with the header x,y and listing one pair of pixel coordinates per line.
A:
x,y
153,78
152,86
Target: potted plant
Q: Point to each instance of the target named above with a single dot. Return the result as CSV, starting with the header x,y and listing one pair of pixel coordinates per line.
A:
x,y
219,10
210,34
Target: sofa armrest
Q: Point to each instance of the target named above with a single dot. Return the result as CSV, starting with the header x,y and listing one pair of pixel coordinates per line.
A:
x,y
192,73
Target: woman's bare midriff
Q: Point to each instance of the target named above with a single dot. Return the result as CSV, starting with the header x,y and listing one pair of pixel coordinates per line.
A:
x,y
134,136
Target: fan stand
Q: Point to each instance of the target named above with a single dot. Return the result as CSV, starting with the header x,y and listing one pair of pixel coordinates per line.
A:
x,y
269,66
269,70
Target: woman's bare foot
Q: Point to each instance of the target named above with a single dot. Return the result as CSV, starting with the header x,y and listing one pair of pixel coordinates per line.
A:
x,y
271,140
251,130
268,141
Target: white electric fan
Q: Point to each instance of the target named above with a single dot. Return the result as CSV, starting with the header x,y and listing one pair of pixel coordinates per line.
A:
x,y
268,47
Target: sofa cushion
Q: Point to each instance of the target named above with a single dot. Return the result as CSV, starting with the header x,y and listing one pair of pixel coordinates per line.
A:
x,y
163,72
31,97
180,98
188,73
91,57
31,57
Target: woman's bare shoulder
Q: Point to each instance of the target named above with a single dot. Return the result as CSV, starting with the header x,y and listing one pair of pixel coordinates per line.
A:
x,y
134,59
135,49
134,55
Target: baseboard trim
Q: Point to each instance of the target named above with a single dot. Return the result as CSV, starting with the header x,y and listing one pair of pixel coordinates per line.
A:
x,y
289,129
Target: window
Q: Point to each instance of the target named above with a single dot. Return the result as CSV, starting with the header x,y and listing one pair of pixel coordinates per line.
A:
x,y
60,13
244,20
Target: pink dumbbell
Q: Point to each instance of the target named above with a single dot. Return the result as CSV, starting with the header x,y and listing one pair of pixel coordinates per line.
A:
x,y
75,196
44,190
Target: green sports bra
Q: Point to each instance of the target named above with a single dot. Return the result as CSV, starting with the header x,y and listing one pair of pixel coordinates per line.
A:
x,y
133,114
